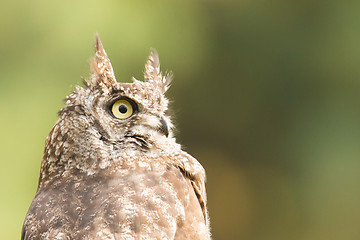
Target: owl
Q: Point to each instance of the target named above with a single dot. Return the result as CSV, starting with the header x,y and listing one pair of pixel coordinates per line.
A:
x,y
112,169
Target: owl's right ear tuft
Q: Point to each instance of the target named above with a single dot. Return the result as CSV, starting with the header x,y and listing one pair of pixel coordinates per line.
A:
x,y
102,74
153,73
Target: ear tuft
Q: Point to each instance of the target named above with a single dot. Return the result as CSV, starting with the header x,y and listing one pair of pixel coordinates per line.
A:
x,y
101,69
153,73
167,80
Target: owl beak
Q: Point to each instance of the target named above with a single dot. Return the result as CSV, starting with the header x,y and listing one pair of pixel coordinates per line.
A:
x,y
163,128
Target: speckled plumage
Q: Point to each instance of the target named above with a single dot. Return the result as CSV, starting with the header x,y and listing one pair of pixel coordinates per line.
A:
x,y
108,178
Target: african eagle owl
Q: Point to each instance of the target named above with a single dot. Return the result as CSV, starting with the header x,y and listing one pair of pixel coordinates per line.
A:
x,y
112,168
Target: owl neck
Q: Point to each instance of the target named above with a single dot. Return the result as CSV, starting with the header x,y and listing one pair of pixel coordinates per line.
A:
x,y
74,147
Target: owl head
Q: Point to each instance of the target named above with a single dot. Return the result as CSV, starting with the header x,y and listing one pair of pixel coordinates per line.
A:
x,y
107,118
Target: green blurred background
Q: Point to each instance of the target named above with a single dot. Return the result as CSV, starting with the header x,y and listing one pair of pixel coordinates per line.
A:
x,y
266,97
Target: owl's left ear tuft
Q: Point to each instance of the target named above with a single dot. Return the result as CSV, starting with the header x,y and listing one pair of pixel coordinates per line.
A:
x,y
153,73
102,72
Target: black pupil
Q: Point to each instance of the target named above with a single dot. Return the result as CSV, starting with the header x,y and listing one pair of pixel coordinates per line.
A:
x,y
122,108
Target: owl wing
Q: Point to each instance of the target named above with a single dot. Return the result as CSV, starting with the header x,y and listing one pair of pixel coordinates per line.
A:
x,y
196,224
195,173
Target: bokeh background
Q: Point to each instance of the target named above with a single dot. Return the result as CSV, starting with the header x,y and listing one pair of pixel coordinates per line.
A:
x,y
266,97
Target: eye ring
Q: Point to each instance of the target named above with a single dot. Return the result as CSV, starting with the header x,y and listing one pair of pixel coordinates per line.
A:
x,y
122,109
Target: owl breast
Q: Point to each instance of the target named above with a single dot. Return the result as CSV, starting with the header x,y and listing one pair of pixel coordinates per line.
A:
x,y
123,205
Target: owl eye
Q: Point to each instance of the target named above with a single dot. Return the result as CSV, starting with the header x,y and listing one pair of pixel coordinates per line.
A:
x,y
122,109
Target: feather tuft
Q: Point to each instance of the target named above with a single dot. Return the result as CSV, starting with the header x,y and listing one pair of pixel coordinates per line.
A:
x,y
153,73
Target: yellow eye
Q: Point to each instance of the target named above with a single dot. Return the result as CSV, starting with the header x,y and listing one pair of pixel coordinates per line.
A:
x,y
122,109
